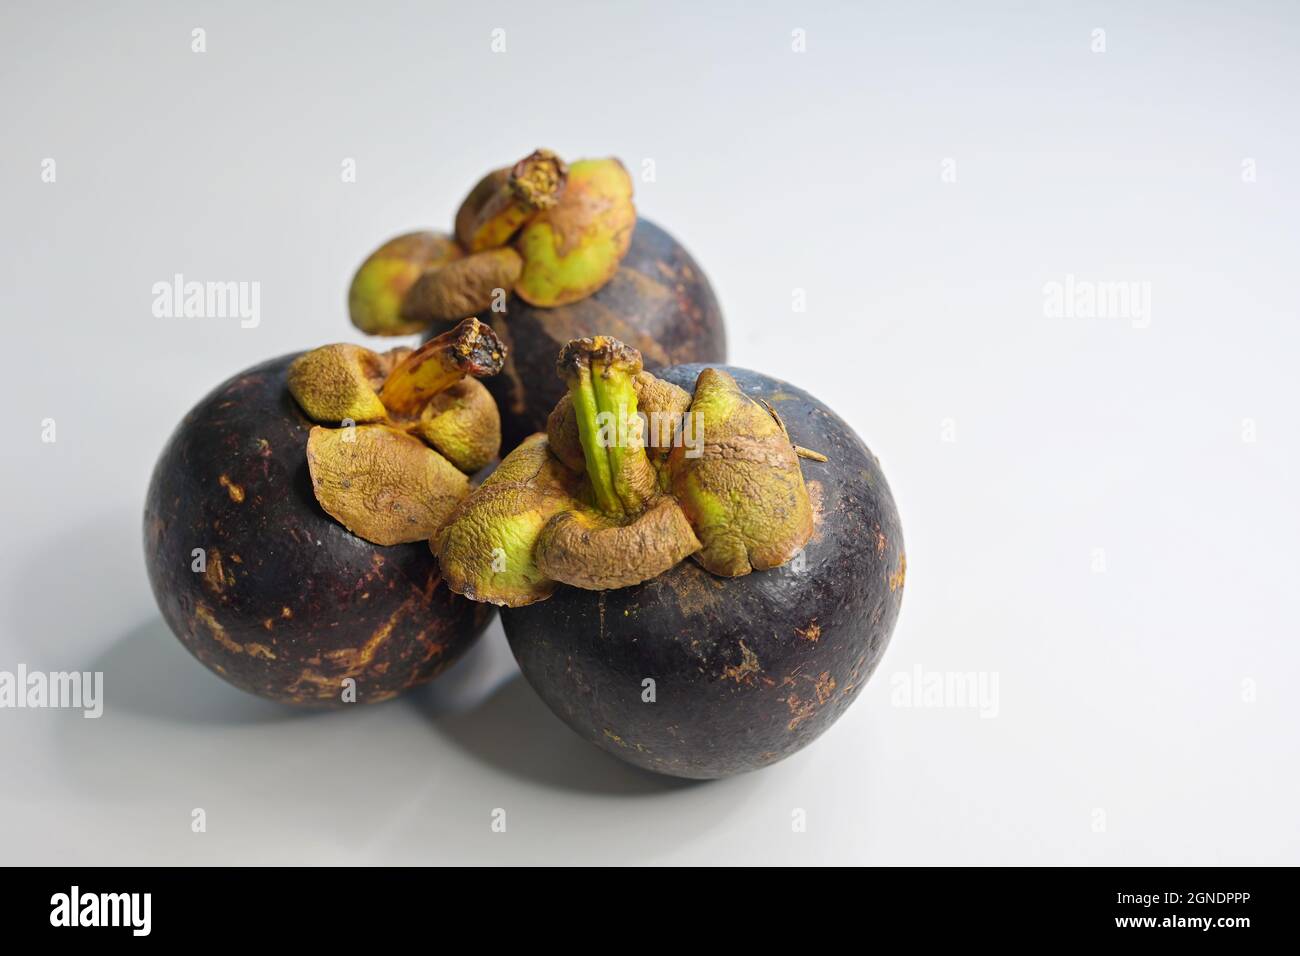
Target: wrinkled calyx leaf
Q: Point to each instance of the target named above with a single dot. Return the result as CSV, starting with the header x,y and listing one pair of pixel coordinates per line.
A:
x,y
377,298
397,433
632,476
548,232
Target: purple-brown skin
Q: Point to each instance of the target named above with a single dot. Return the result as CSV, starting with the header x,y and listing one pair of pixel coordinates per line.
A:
x,y
746,670
658,302
290,603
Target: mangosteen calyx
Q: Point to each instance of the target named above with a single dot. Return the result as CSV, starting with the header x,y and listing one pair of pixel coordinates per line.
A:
x,y
550,232
399,433
632,476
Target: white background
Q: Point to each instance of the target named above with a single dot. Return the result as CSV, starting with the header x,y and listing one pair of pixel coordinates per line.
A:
x,y
1146,713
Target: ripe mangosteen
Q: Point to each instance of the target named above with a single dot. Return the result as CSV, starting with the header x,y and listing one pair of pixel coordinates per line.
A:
x,y
701,668
247,518
545,252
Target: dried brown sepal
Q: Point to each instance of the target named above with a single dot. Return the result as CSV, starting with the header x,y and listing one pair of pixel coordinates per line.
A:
x,y
463,423
379,288
562,434
586,549
464,287
662,402
336,383
381,484
468,213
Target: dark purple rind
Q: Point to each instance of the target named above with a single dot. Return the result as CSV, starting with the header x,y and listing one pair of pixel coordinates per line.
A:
x,y
659,302
747,670
291,603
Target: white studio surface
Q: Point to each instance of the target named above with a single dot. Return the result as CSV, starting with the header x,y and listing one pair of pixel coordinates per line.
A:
x,y
1100,510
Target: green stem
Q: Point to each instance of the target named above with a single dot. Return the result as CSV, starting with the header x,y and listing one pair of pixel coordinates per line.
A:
x,y
599,373
586,408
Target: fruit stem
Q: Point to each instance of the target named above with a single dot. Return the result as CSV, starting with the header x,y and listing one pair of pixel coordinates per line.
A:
x,y
471,348
537,179
599,372
534,183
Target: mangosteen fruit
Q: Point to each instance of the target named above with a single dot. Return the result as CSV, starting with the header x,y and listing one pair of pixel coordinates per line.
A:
x,y
545,252
281,520
699,668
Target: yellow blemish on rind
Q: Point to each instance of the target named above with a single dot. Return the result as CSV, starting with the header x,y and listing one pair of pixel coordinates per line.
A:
x,y
206,617
896,578
356,661
825,687
218,632
215,576
817,501
746,669
800,710
235,491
